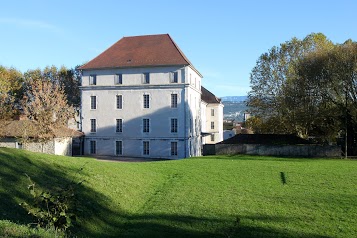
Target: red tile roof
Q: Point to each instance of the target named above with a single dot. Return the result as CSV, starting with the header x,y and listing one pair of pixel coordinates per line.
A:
x,y
140,51
209,97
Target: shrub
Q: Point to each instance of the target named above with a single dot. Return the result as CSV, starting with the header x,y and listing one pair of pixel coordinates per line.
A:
x,y
52,209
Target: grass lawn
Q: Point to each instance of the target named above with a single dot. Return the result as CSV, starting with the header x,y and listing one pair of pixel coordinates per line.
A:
x,y
217,196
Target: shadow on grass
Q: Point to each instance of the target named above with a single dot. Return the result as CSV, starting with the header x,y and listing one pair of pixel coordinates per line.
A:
x,y
99,220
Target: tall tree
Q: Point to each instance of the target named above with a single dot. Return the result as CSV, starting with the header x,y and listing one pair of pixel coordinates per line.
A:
x,y
10,85
272,83
45,103
68,79
333,73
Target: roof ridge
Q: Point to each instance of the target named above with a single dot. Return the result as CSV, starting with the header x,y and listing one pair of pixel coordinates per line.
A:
x,y
184,56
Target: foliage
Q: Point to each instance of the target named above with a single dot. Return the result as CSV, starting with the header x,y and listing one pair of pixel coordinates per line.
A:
x,y
195,197
67,79
10,85
45,103
300,87
52,209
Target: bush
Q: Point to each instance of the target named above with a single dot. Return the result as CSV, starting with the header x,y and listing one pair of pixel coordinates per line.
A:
x,y
53,209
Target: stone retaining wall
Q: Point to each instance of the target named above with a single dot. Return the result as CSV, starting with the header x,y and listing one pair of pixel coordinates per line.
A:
x,y
279,150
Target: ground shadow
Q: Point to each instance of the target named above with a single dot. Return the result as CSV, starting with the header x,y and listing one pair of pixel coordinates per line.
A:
x,y
96,219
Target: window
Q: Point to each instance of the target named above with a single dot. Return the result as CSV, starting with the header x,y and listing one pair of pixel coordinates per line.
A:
x,y
118,79
212,112
118,147
174,77
173,125
174,148
173,100
146,100
212,137
93,79
212,125
146,78
93,125
146,148
93,147
146,125
119,125
93,102
119,101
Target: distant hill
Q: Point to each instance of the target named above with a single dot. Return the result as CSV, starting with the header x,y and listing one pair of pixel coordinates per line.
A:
x,y
234,98
234,107
234,110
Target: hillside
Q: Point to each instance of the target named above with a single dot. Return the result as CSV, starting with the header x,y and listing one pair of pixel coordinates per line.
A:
x,y
234,110
226,196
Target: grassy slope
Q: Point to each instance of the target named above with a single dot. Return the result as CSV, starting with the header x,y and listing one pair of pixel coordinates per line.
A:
x,y
198,197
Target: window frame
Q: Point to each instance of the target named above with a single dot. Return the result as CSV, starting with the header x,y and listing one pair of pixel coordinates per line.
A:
x,y
146,78
174,100
174,148
174,77
93,79
146,125
212,137
146,147
119,125
119,98
212,112
93,125
92,147
93,103
118,148
212,125
146,101
174,125
118,79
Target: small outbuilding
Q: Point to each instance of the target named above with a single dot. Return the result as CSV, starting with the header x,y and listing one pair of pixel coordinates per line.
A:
x,y
20,134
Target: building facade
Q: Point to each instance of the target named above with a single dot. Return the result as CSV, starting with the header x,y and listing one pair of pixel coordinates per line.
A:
x,y
212,117
141,98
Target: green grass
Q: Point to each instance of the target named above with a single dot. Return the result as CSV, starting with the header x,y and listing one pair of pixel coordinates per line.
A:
x,y
222,196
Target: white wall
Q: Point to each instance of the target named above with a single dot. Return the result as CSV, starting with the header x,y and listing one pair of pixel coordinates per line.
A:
x,y
217,119
133,112
63,146
57,146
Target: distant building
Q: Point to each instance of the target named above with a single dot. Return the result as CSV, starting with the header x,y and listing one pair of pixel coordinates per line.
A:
x,y
212,117
142,98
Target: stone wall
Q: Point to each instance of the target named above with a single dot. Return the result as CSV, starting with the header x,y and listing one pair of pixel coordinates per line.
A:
x,y
56,146
279,150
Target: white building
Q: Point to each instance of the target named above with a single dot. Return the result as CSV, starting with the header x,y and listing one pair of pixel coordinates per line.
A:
x,y
141,98
212,117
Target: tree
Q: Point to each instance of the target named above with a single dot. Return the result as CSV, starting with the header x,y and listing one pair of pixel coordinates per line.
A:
x,y
45,103
333,73
10,85
274,98
68,79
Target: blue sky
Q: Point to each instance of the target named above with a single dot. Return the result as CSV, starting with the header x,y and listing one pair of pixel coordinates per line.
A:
x,y
223,39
